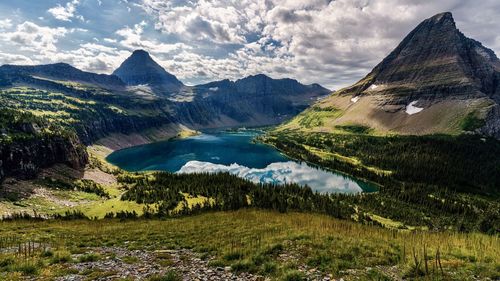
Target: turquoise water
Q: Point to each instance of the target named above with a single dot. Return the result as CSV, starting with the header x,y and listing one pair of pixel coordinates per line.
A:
x,y
232,152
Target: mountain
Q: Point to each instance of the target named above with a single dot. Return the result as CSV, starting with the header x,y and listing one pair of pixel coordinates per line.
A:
x,y
436,81
62,72
59,109
251,101
141,69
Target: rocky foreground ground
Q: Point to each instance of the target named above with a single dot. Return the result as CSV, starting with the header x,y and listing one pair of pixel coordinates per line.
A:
x,y
116,263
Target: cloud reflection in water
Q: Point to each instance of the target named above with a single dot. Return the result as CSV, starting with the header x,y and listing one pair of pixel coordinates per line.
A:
x,y
279,173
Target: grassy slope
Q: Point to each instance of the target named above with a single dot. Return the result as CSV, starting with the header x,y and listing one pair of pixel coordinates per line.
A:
x,y
338,110
261,241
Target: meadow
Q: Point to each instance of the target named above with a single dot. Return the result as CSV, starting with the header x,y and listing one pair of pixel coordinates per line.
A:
x,y
267,243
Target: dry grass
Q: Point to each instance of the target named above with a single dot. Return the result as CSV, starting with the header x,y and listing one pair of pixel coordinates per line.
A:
x,y
316,241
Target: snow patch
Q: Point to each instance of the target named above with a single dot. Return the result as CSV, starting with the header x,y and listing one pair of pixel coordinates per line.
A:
x,y
355,99
213,89
373,87
412,109
280,173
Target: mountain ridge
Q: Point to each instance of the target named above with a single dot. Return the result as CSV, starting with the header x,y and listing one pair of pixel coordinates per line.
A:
x,y
65,72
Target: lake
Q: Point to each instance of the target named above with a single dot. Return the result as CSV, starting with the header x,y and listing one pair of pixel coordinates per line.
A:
x,y
235,153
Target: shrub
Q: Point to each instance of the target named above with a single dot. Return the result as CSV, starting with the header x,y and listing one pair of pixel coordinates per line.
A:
x,y
243,266
89,258
233,256
294,275
61,257
269,267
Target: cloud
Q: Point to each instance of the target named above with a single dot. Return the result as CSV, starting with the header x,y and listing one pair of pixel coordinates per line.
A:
x,y
224,22
14,59
32,37
91,57
334,43
132,39
5,24
280,173
67,12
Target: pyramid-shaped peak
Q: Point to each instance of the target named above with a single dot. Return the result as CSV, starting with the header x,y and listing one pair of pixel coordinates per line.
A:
x,y
140,69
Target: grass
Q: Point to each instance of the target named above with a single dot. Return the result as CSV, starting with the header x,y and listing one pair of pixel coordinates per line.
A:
x,y
471,122
255,241
100,208
314,117
354,129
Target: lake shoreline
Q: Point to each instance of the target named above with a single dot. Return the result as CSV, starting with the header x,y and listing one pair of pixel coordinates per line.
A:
x,y
235,151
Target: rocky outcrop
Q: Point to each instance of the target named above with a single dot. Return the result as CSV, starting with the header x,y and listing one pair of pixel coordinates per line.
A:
x,y
24,158
100,128
492,123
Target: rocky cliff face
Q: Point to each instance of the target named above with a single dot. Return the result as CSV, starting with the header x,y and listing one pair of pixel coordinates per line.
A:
x,y
435,81
437,59
141,69
100,128
24,158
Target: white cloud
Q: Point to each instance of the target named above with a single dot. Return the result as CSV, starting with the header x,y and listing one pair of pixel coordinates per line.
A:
x,y
332,42
91,57
14,59
67,12
132,39
216,21
5,24
32,37
280,173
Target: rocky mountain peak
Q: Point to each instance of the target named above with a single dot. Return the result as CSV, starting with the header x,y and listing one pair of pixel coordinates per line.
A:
x,y
141,69
437,72
434,54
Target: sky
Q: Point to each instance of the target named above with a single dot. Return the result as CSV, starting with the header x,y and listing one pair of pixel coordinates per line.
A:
x,y
331,42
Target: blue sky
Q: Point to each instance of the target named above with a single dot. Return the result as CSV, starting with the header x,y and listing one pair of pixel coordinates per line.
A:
x,y
333,43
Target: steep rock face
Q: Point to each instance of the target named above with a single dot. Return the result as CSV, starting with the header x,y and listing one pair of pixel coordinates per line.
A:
x,y
435,81
24,158
437,59
65,72
100,128
141,69
254,100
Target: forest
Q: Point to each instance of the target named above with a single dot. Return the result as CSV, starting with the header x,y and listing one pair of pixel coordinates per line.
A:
x,y
438,181
224,192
